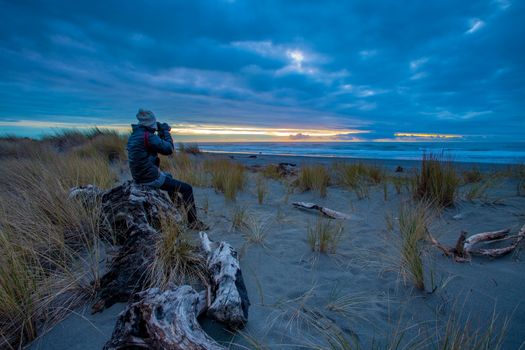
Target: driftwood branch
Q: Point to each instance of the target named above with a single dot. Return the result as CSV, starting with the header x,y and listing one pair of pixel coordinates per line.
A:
x,y
162,320
230,298
466,247
323,210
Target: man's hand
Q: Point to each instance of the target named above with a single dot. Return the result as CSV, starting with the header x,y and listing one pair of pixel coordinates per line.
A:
x,y
163,130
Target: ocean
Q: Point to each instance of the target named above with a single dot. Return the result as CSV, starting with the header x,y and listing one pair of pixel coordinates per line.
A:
x,y
471,152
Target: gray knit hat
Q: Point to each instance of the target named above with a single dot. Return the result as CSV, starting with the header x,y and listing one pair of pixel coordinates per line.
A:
x,y
147,118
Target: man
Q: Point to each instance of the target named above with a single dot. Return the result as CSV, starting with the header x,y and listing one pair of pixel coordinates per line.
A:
x,y
143,147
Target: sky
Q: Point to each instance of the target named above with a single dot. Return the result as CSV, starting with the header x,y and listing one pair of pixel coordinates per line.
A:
x,y
262,70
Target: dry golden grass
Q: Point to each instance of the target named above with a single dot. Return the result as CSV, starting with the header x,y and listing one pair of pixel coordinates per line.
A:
x,y
271,171
190,148
186,168
413,222
313,177
239,217
472,175
50,246
227,176
262,189
108,144
358,177
324,235
437,181
177,259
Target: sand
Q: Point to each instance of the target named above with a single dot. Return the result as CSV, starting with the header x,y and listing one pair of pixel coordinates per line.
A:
x,y
294,291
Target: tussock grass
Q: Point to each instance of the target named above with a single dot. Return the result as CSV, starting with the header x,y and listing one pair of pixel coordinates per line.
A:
x,y
108,144
472,175
459,331
50,251
186,168
437,181
358,177
14,147
190,148
177,260
324,235
389,221
239,217
255,229
399,182
315,178
478,190
226,176
413,222
271,171
261,188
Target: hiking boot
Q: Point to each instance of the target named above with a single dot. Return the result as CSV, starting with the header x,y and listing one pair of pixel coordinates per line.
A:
x,y
198,225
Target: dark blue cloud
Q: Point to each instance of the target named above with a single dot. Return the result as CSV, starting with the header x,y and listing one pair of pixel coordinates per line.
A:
x,y
382,66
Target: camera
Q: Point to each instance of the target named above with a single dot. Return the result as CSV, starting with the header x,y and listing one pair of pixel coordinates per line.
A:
x,y
163,126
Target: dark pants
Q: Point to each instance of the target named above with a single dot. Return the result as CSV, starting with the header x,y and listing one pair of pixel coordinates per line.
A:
x,y
173,187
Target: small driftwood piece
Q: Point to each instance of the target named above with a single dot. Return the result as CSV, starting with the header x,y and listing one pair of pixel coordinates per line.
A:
x,y
325,211
162,320
466,247
230,299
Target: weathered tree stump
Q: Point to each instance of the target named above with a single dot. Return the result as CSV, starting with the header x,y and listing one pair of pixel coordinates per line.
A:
x,y
155,319
466,247
132,214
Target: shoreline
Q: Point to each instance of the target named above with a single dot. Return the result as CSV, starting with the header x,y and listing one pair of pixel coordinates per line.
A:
x,y
250,159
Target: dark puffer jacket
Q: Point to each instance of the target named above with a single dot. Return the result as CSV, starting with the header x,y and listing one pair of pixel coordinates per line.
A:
x,y
143,150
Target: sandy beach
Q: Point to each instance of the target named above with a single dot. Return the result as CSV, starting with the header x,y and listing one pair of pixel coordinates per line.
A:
x,y
300,298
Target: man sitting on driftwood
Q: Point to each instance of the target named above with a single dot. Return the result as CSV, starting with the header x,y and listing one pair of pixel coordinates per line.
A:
x,y
148,138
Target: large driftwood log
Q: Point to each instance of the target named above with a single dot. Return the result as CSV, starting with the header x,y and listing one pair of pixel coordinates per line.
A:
x,y
325,211
230,298
132,214
162,320
155,319
466,247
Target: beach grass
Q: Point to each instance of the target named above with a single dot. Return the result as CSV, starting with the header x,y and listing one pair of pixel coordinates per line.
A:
x,y
262,189
227,176
313,178
271,171
255,229
186,168
190,148
459,331
108,144
239,217
413,222
324,235
472,175
478,190
177,260
51,245
437,181
358,177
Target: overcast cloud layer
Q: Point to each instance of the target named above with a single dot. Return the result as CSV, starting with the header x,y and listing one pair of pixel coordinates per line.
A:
x,y
445,67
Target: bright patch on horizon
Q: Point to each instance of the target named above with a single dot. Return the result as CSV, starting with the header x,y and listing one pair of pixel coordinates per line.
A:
x,y
223,133
428,136
292,133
